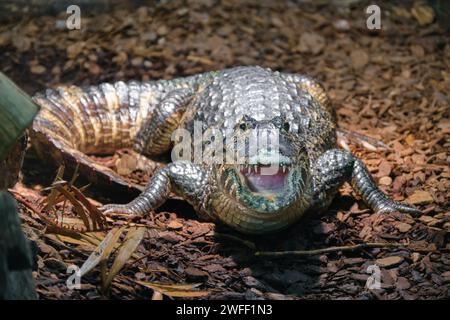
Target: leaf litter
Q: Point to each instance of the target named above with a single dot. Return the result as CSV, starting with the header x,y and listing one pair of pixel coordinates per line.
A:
x,y
391,85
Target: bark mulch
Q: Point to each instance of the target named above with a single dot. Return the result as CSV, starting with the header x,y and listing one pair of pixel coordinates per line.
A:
x,y
391,84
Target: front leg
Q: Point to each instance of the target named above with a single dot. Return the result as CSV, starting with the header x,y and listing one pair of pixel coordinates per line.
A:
x,y
154,138
184,178
335,167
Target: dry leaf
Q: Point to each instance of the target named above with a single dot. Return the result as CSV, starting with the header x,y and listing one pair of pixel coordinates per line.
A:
x,y
73,240
50,200
125,251
61,191
176,290
102,252
76,205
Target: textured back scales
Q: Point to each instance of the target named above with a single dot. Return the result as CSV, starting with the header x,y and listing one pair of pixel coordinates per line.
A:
x,y
95,119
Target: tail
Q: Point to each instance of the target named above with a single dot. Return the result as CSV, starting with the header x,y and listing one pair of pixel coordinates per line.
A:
x,y
74,122
96,119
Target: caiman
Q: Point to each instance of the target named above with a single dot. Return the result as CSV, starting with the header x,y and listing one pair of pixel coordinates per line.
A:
x,y
237,105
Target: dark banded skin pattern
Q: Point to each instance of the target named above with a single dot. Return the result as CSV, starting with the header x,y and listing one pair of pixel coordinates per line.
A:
x,y
76,121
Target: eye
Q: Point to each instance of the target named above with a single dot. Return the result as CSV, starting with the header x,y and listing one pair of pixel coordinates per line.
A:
x,y
243,126
286,126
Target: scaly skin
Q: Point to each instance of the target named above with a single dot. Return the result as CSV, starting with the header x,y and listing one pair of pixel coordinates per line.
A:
x,y
235,103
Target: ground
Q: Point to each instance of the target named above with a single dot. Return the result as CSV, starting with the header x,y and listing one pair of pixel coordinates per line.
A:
x,y
391,84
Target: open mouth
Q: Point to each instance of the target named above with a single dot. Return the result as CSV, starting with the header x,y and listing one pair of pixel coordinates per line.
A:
x,y
265,178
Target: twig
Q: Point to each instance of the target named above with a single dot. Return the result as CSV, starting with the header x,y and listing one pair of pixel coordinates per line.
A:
x,y
302,253
246,243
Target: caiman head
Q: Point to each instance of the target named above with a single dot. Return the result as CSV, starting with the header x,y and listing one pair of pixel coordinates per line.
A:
x,y
264,181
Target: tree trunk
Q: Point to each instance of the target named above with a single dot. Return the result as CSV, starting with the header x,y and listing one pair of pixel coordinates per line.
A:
x,y
17,111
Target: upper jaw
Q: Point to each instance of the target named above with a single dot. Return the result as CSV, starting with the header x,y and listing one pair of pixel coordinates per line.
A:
x,y
266,157
266,172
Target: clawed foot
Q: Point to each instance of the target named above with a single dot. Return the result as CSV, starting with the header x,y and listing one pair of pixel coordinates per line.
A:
x,y
392,206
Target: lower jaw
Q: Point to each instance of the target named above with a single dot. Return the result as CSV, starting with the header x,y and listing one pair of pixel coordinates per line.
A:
x,y
248,221
256,224
270,183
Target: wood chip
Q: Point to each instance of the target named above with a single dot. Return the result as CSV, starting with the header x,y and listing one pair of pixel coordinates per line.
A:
x,y
359,58
385,181
420,197
389,261
175,225
403,283
423,14
403,227
311,42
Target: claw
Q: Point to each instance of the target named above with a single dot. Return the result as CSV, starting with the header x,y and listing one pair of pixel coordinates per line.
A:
x,y
393,206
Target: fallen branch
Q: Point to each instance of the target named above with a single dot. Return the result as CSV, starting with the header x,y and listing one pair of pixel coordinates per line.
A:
x,y
305,253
